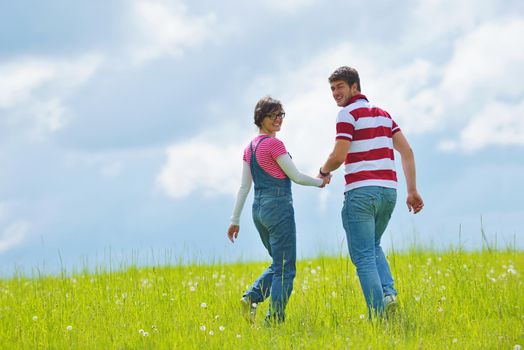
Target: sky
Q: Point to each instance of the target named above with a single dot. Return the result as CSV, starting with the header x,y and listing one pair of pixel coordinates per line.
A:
x,y
122,123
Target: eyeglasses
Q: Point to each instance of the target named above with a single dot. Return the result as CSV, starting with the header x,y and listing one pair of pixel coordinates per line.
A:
x,y
274,116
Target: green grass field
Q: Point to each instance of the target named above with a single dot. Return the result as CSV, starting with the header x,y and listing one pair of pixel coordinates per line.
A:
x,y
453,299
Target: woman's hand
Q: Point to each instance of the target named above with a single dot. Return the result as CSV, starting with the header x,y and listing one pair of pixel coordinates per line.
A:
x,y
232,232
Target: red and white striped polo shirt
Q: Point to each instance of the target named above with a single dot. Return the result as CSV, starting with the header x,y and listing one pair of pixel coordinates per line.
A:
x,y
370,160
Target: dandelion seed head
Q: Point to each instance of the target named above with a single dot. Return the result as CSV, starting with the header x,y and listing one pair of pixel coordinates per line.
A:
x,y
517,347
35,318
217,317
221,328
145,334
417,298
203,305
239,336
192,289
141,331
69,328
254,305
202,328
454,340
443,298
440,309
362,316
211,333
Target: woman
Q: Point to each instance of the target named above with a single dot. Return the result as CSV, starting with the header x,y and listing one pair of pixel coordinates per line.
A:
x,y
269,166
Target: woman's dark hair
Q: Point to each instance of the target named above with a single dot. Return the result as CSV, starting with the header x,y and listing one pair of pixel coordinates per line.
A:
x,y
347,74
265,106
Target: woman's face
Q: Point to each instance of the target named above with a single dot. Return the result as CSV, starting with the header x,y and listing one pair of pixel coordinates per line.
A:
x,y
272,122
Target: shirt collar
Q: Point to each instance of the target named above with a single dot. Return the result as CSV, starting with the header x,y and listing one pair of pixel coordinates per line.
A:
x,y
357,97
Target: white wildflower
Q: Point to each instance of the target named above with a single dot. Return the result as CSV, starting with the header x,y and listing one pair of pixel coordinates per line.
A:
x,y
145,334
203,305
211,332
202,328
69,328
141,331
362,316
221,328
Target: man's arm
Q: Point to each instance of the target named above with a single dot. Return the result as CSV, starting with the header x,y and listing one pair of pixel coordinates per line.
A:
x,y
337,156
414,200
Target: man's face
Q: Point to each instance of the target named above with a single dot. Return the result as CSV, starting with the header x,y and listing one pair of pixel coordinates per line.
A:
x,y
342,92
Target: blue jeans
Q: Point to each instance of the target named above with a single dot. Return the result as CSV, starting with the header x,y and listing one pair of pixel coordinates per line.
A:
x,y
274,219
365,215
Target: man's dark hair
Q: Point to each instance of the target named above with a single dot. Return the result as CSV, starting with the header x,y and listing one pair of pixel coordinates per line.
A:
x,y
347,74
265,106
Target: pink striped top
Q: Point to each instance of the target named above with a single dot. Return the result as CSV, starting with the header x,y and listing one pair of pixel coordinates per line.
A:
x,y
267,154
370,160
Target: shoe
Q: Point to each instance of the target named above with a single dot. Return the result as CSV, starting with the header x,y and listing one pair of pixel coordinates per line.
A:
x,y
390,305
249,310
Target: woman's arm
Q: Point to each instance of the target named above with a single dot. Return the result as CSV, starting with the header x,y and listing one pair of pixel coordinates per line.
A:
x,y
243,191
286,163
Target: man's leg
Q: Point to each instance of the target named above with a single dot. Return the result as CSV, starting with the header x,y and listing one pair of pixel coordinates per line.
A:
x,y
384,210
359,223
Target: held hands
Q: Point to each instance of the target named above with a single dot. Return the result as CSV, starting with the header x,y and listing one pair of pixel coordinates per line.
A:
x,y
325,180
326,177
414,202
232,232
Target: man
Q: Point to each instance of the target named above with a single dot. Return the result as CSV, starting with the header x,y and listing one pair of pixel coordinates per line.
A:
x,y
365,139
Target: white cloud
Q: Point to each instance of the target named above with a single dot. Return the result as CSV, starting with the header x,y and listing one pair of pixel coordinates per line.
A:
x,y
164,28
34,89
288,5
436,20
486,62
112,169
203,166
13,235
498,124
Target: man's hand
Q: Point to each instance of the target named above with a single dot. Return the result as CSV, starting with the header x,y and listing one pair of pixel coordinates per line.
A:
x,y
232,232
414,202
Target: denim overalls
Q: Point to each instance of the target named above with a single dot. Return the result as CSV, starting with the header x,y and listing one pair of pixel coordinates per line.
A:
x,y
274,219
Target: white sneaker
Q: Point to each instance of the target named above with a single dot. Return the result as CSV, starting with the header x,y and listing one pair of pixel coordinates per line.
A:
x,y
248,309
390,305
